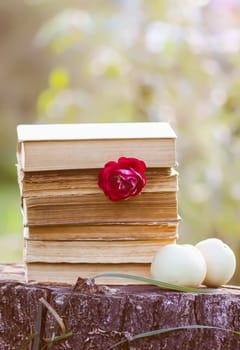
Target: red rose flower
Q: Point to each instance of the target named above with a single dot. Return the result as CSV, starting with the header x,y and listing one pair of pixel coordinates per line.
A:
x,y
122,179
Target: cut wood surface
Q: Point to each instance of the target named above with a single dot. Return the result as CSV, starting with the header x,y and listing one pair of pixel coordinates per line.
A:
x,y
99,316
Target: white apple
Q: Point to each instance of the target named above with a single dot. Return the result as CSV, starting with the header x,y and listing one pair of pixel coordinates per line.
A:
x,y
220,261
180,264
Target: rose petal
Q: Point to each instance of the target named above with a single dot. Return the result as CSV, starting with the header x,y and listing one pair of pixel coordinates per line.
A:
x,y
136,164
122,179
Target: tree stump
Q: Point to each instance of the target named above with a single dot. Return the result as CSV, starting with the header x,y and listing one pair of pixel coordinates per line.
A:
x,y
100,316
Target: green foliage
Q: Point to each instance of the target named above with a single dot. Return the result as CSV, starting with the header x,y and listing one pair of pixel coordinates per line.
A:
x,y
169,330
59,79
163,285
164,65
65,29
10,213
10,224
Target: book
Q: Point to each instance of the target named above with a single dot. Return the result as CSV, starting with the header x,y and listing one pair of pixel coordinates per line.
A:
x,y
97,208
101,232
86,146
69,273
102,252
82,181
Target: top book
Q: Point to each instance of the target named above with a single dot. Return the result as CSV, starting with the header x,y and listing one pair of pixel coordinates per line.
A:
x,y
88,146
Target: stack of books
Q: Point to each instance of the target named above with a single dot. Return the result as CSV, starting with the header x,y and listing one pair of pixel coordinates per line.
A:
x,y
71,228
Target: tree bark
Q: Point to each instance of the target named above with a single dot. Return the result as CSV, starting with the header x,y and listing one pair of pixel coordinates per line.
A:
x,y
99,316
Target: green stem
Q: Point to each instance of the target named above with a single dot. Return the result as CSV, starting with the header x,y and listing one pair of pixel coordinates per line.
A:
x,y
166,330
160,284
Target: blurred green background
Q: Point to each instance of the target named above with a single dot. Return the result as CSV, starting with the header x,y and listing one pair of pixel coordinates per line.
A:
x,y
119,60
